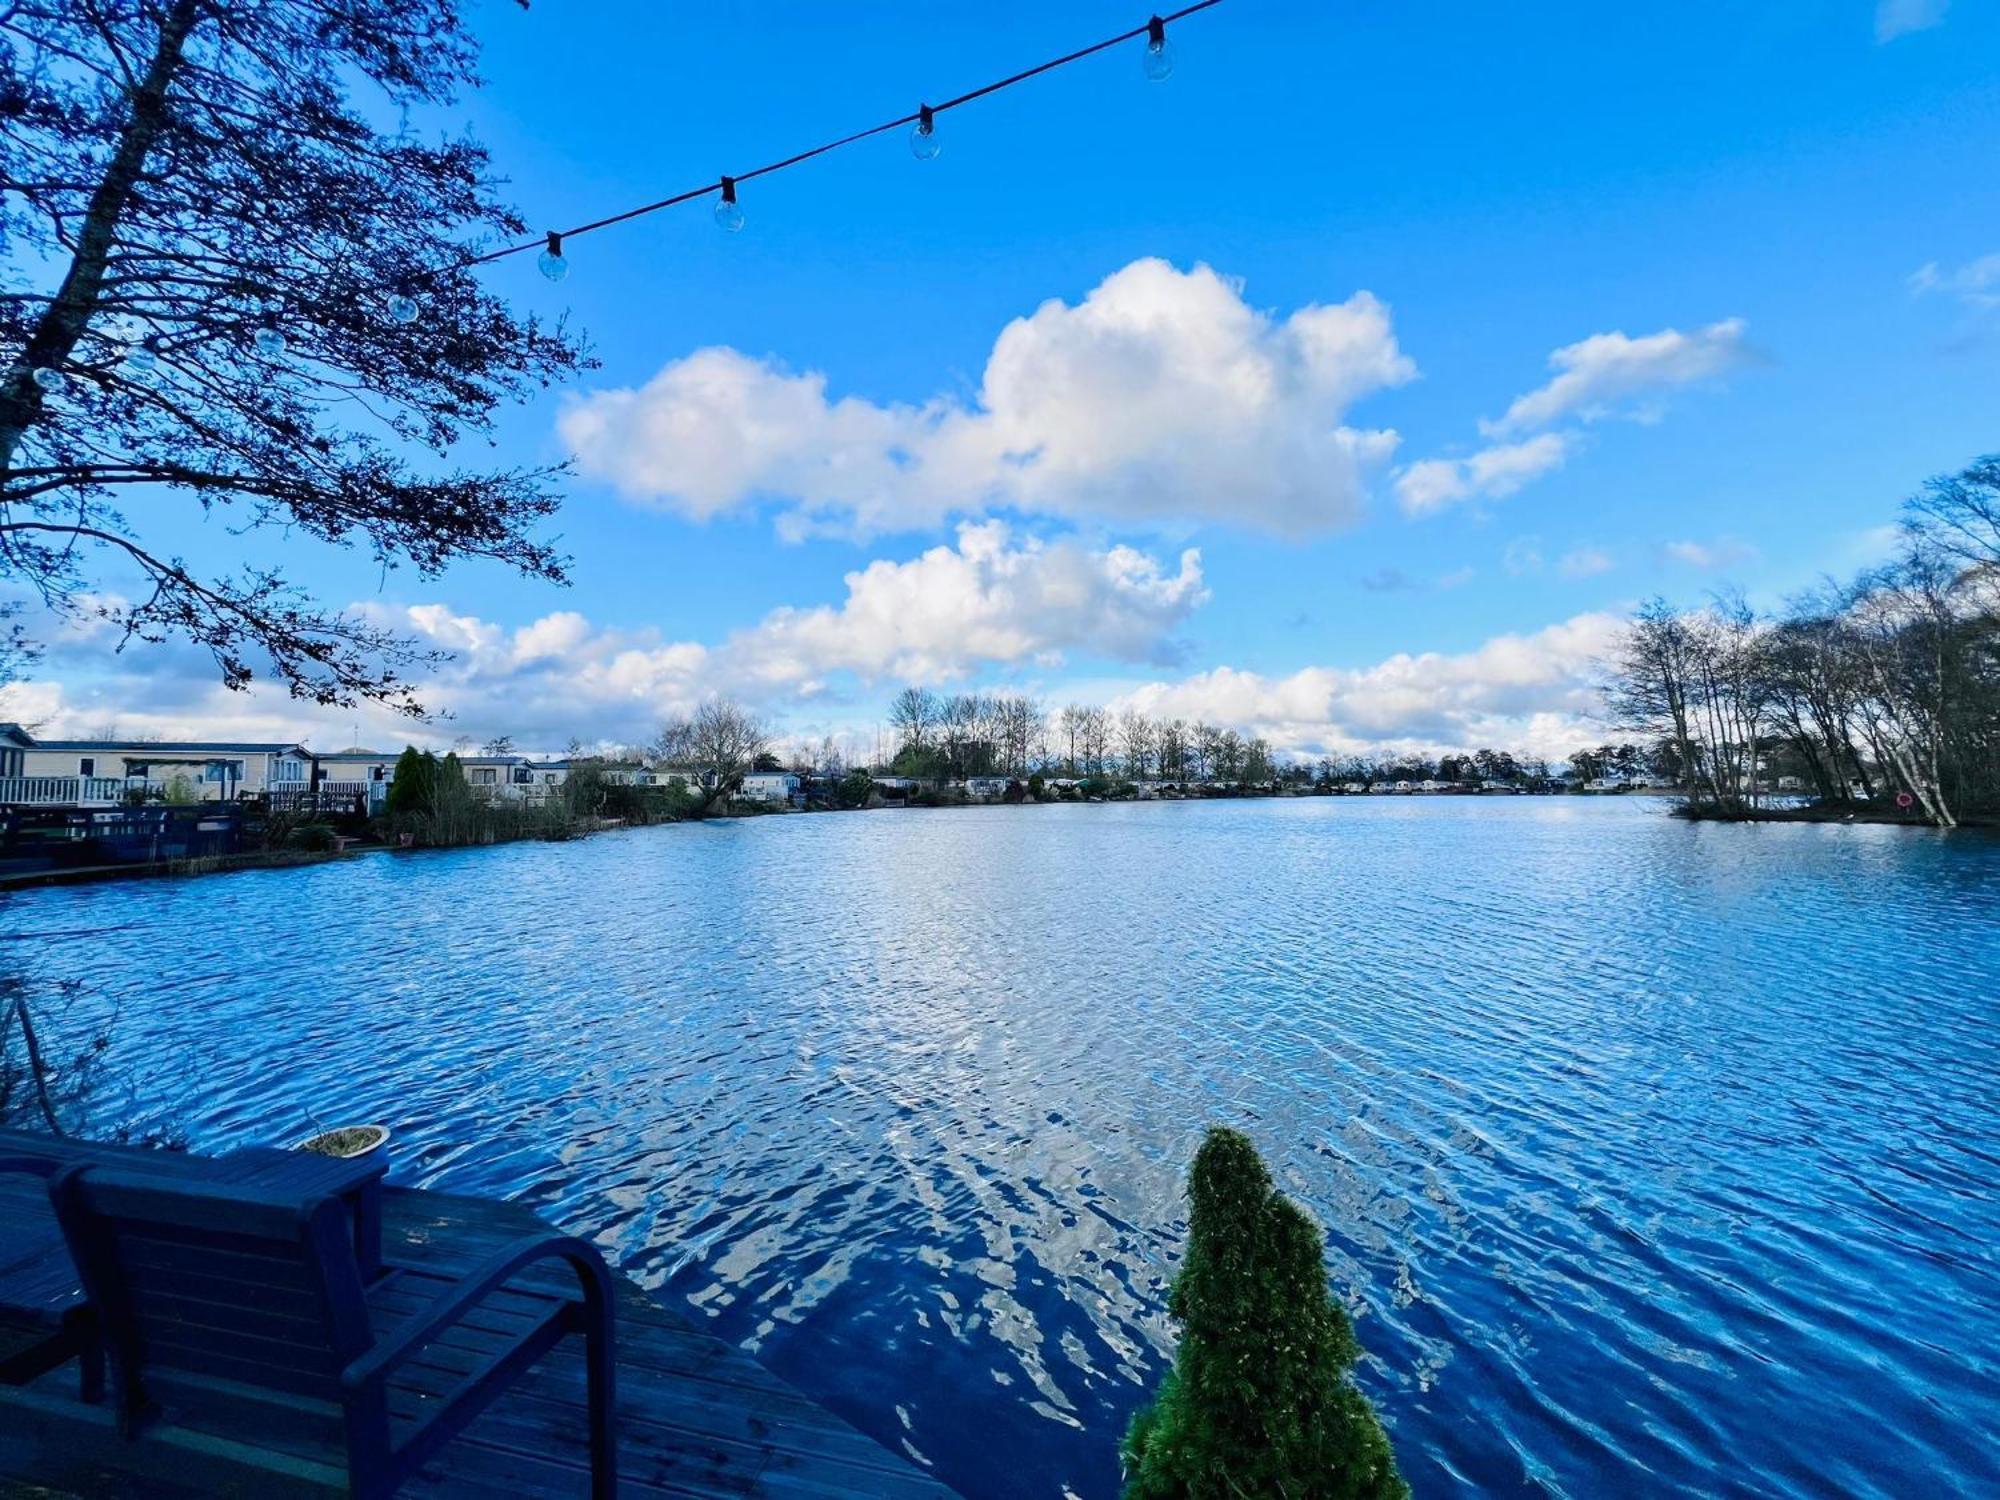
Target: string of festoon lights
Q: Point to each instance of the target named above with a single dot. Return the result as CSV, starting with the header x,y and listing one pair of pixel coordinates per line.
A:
x,y
402,305
1157,62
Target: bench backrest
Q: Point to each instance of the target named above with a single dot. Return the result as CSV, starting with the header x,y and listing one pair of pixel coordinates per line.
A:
x,y
216,1281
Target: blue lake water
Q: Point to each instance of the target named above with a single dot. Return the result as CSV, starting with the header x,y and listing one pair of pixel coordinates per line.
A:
x,y
1654,1158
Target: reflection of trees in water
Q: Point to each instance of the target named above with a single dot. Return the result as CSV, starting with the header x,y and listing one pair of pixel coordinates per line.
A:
x,y
55,1074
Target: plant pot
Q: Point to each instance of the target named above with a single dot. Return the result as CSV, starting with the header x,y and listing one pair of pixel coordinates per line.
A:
x,y
346,1140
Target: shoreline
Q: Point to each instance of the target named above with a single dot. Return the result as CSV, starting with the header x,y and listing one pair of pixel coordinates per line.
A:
x,y
279,859
1873,817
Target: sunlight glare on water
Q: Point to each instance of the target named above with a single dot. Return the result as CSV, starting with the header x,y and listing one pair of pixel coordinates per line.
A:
x,y
1654,1158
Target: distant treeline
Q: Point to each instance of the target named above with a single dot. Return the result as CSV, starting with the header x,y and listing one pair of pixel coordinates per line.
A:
x,y
1883,687
951,737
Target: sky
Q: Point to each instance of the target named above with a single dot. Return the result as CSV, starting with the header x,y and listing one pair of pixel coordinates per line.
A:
x,y
1347,387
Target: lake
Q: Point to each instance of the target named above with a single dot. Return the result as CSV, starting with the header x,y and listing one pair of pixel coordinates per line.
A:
x,y
1654,1158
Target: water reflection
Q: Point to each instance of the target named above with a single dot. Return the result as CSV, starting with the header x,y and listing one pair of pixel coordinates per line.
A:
x,y
1653,1158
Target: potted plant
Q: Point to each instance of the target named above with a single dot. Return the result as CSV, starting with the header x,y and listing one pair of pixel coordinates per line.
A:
x,y
347,1140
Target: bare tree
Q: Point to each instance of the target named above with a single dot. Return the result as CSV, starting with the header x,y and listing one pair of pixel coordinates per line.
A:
x,y
1094,735
1959,514
672,745
1137,739
1651,676
724,741
1174,749
209,247
914,716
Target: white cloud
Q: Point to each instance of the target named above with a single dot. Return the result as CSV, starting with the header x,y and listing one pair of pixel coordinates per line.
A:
x,y
1604,375
1598,376
1585,562
1725,552
1894,18
1976,283
989,601
1523,556
1493,473
1161,396
1534,692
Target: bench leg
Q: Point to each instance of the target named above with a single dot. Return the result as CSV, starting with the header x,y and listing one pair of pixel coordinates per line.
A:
x,y
601,1365
90,1367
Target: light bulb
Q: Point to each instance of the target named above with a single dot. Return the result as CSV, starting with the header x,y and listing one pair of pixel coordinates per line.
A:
x,y
728,212
270,343
142,357
551,262
1158,59
924,142
402,308
50,379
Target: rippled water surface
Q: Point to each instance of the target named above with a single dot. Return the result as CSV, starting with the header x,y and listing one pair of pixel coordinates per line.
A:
x,y
1654,1158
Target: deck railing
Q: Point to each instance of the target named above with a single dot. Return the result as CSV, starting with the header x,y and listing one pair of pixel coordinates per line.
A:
x,y
62,791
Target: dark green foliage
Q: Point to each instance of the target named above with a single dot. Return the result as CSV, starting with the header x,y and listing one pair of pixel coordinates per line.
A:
x,y
414,789
452,807
856,787
589,793
920,762
1037,788
1258,1403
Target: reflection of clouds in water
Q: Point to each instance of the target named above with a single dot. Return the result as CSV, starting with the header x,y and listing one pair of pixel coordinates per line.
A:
x,y
1594,1107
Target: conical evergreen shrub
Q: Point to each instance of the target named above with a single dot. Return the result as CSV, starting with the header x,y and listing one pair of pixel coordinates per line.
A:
x,y
1258,1403
414,786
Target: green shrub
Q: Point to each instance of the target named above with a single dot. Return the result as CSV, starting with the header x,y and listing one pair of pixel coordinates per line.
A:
x,y
414,787
315,836
855,788
1259,1402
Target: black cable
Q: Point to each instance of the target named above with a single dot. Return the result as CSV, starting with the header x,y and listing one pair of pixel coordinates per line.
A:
x,y
554,237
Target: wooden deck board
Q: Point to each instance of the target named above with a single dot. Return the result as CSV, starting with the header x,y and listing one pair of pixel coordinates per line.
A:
x,y
698,1418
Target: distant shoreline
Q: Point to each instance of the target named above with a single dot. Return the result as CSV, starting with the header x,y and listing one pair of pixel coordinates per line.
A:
x,y
1694,812
276,859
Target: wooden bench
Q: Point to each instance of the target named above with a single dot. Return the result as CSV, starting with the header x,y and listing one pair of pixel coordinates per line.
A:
x,y
52,1325
242,1312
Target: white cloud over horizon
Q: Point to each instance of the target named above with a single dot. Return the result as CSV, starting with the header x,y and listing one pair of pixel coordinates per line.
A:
x,y
990,600
563,676
1162,396
1534,692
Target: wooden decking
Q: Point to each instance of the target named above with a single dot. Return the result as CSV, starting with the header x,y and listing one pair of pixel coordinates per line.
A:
x,y
697,1417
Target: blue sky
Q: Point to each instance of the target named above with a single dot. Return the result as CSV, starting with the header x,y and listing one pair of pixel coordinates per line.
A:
x,y
1723,212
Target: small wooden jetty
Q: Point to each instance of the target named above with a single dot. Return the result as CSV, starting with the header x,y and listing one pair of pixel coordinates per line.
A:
x,y
695,1416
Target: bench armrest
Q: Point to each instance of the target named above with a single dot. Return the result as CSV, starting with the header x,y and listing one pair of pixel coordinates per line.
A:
x,y
591,1274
